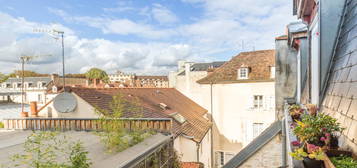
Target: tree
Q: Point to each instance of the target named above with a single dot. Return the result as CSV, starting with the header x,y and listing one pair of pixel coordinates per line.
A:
x,y
3,77
97,74
26,74
113,134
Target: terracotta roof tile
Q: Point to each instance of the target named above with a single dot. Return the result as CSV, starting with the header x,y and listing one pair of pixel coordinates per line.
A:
x,y
152,77
150,98
258,62
191,165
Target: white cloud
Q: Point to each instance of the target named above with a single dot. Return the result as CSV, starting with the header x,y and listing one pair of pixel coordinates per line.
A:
x,y
81,54
220,29
117,26
163,15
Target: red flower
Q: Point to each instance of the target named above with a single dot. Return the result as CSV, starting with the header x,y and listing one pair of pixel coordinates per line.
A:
x,y
327,134
295,143
323,139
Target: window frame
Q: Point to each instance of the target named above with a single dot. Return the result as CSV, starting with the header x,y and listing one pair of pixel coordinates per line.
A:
x,y
246,73
258,103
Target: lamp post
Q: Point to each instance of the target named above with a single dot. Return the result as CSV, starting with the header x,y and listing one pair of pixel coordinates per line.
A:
x,y
56,34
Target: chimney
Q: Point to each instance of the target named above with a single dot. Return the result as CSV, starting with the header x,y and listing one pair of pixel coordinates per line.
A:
x,y
33,107
187,76
95,82
53,76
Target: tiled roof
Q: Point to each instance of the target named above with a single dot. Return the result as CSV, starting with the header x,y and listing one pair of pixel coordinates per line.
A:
x,y
204,66
259,63
58,81
152,77
150,98
191,165
340,99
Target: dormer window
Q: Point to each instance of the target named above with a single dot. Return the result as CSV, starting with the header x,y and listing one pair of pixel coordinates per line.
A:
x,y
179,118
54,89
243,73
272,72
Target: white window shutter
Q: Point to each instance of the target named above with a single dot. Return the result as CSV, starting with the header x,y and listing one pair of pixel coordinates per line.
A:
x,y
265,102
250,102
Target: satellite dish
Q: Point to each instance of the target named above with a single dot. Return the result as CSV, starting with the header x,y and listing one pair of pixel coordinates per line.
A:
x,y
65,103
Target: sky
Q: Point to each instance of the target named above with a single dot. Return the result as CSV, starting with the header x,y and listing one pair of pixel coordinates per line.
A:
x,y
135,36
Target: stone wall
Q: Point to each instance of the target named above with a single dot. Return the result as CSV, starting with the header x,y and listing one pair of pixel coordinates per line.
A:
x,y
267,157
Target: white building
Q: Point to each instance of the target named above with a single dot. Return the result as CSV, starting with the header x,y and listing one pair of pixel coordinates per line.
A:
x,y
34,87
241,96
121,77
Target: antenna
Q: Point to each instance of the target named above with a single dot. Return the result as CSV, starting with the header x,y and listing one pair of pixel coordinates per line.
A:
x,y
24,59
56,34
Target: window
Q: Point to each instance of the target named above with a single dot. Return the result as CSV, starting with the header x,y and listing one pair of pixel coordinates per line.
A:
x,y
39,98
257,129
258,101
243,73
272,72
223,157
220,160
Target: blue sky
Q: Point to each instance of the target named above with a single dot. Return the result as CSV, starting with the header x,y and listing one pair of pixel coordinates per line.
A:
x,y
141,36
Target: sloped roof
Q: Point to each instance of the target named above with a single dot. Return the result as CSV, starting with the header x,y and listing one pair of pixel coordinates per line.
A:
x,y
150,98
204,66
152,77
58,81
254,146
259,63
340,97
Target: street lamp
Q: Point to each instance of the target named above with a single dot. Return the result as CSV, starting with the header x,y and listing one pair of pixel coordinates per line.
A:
x,y
56,34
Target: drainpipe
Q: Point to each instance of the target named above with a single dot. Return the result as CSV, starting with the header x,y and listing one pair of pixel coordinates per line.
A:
x,y
212,151
283,143
198,151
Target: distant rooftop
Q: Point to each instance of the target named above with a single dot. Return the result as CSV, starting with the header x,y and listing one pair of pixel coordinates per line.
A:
x,y
11,110
29,79
204,66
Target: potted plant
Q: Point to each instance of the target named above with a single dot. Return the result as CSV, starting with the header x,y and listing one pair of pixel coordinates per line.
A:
x,y
295,111
312,159
321,130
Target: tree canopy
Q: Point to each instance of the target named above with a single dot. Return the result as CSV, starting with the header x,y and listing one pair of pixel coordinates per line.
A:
x,y
26,74
3,77
96,73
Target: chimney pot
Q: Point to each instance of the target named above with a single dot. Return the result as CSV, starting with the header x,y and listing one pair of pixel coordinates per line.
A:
x,y
33,107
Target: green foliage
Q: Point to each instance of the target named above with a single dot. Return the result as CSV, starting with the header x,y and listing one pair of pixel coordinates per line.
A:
x,y
113,134
2,125
344,162
78,156
312,128
3,77
76,75
26,74
96,73
46,149
300,153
